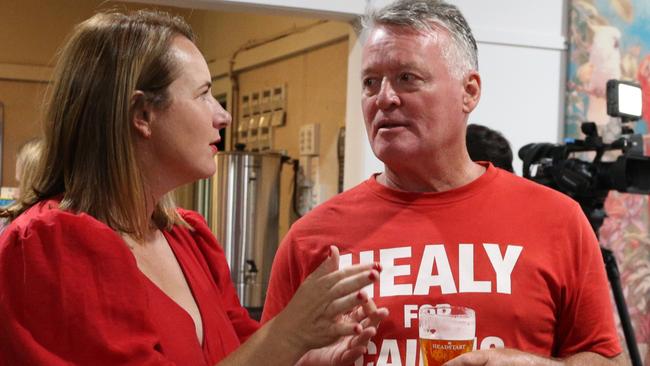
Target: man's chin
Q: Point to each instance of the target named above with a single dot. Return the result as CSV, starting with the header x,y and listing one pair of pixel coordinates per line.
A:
x,y
393,153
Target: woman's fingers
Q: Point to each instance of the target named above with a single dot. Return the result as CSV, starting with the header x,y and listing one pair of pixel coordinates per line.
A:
x,y
352,278
334,278
352,354
320,309
374,315
357,346
329,265
345,304
345,328
347,292
362,338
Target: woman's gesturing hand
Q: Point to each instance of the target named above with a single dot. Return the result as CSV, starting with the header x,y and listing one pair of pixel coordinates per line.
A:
x,y
348,349
316,316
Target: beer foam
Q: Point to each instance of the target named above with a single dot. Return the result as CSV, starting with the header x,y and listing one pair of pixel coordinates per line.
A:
x,y
446,326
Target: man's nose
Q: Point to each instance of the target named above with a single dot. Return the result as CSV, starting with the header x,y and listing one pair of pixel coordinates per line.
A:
x,y
387,97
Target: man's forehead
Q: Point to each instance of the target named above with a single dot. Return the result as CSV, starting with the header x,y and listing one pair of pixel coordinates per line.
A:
x,y
394,36
397,30
392,42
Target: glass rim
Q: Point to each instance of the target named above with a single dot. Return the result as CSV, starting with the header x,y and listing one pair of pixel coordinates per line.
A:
x,y
467,311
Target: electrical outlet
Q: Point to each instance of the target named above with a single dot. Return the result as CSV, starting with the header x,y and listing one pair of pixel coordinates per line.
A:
x,y
308,140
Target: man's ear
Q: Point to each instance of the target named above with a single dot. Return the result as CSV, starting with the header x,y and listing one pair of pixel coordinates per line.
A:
x,y
472,91
141,114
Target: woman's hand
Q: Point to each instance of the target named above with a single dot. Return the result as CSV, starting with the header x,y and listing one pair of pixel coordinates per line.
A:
x,y
315,317
349,349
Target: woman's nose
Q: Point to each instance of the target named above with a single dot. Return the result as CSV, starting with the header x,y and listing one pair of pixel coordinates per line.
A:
x,y
221,117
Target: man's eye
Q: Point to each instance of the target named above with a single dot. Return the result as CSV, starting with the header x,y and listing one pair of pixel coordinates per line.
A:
x,y
369,82
407,77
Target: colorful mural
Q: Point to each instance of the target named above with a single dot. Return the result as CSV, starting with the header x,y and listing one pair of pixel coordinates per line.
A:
x,y
610,39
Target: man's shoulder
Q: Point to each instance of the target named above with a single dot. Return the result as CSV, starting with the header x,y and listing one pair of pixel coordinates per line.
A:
x,y
345,203
530,191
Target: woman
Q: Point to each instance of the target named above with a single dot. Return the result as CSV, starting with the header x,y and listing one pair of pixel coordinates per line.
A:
x,y
99,268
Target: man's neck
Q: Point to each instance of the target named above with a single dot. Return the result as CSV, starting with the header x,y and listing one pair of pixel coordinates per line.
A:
x,y
430,179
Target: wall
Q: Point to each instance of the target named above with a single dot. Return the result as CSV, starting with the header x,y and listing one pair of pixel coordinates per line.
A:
x,y
21,121
32,31
221,34
522,61
314,82
335,9
311,61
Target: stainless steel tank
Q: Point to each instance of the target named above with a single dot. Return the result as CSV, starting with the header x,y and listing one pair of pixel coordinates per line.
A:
x,y
247,211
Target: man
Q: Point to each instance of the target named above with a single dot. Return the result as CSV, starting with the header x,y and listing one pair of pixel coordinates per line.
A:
x,y
445,229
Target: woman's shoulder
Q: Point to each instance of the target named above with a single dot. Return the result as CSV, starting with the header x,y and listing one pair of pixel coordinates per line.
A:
x,y
46,228
48,215
197,223
192,217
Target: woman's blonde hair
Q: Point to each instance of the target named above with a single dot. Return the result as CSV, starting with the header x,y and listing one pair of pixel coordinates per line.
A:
x,y
89,158
27,159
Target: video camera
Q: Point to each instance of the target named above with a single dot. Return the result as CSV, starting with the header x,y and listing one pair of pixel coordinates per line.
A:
x,y
588,182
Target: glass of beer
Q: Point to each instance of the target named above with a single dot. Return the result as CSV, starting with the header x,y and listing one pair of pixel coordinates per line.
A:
x,y
445,332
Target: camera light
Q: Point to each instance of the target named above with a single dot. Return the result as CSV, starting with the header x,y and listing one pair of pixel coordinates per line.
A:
x,y
624,99
629,100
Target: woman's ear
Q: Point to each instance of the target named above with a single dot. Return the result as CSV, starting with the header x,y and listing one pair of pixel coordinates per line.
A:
x,y
472,91
141,114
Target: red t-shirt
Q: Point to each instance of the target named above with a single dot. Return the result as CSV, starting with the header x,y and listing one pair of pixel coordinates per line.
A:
x,y
521,255
71,293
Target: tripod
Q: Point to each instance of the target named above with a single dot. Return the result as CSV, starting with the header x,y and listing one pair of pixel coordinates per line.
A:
x,y
593,207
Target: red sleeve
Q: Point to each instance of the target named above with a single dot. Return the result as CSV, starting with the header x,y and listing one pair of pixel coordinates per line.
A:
x,y
244,325
586,320
71,293
286,277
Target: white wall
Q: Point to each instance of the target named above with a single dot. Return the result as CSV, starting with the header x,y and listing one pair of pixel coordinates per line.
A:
x,y
522,51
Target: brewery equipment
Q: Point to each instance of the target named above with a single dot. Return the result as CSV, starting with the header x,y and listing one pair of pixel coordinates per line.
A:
x,y
247,209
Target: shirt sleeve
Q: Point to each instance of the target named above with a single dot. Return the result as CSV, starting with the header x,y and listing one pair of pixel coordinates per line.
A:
x,y
586,318
286,277
243,324
71,293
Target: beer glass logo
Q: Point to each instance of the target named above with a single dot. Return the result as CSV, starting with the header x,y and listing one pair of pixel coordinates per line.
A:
x,y
445,332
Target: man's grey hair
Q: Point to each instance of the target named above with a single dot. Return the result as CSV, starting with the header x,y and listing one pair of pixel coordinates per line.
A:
x,y
426,15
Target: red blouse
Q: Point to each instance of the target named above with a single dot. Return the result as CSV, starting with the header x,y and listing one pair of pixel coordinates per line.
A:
x,y
71,292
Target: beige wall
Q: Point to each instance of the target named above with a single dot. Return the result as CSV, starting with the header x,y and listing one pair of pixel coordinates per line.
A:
x,y
221,34
312,63
21,121
315,83
32,31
